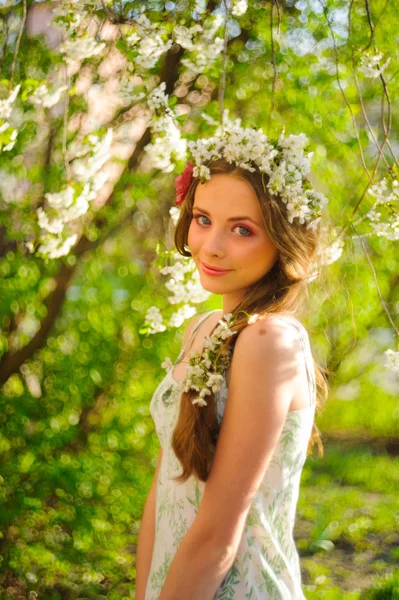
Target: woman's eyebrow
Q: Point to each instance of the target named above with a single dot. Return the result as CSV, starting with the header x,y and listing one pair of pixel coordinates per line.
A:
x,y
231,219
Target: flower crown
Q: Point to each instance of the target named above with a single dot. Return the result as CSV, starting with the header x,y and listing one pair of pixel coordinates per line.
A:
x,y
284,162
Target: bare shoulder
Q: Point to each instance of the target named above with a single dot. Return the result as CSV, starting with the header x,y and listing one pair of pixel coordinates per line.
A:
x,y
267,336
267,352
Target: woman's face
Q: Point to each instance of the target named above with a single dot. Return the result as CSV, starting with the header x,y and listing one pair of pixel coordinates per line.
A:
x,y
220,239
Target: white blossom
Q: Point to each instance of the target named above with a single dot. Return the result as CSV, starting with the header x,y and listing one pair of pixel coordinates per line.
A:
x,y
97,152
187,291
182,314
370,64
388,201
239,7
80,48
202,42
127,90
253,318
392,360
214,381
43,96
200,401
62,199
64,206
54,225
158,98
333,252
133,38
184,283
68,15
154,321
168,148
6,105
174,212
54,247
167,364
148,40
203,172
184,36
150,49
12,137
74,200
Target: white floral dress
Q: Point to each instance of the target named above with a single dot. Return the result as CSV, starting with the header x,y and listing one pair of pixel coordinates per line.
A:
x,y
266,565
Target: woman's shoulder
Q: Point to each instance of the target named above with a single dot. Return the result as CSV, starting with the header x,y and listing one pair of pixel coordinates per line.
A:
x,y
288,318
275,332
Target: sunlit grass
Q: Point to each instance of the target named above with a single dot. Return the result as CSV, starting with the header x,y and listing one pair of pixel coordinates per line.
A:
x,y
347,524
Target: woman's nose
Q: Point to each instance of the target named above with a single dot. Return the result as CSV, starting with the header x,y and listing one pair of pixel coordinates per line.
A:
x,y
213,242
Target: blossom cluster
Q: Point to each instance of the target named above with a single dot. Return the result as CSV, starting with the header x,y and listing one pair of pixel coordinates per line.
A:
x,y
42,95
153,322
168,146
370,64
8,134
80,48
73,201
284,162
204,374
387,200
239,7
184,281
202,42
392,360
148,39
330,253
128,87
158,99
69,15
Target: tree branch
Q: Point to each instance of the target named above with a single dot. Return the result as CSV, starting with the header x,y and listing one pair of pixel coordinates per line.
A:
x,y
11,363
21,29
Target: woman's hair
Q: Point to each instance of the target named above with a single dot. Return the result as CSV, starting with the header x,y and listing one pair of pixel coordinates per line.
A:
x,y
282,289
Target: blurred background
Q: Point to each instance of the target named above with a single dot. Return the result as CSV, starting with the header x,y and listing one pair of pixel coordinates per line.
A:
x,y
97,102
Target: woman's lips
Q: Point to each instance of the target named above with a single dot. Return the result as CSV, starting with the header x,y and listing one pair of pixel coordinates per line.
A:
x,y
211,271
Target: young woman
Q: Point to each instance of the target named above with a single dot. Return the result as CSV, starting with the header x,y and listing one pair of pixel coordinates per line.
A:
x,y
218,522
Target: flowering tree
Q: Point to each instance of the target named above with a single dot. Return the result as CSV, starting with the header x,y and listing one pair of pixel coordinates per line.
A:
x,y
98,101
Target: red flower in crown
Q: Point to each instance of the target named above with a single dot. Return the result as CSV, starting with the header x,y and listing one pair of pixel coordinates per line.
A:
x,y
182,183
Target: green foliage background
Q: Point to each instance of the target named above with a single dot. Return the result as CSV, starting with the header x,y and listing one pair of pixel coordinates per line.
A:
x,y
78,447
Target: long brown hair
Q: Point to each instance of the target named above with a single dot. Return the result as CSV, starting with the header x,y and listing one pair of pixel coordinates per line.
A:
x,y
281,289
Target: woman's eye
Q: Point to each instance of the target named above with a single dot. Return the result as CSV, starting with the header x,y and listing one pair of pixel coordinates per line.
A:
x,y
249,233
197,217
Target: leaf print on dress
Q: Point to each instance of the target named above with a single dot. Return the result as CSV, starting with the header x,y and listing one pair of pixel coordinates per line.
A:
x,y
158,577
232,579
195,502
250,594
270,585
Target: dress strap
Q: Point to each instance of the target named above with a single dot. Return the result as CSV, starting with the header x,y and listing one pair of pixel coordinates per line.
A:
x,y
197,326
304,338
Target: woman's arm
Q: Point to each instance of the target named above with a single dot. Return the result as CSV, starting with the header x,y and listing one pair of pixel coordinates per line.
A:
x,y
146,538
